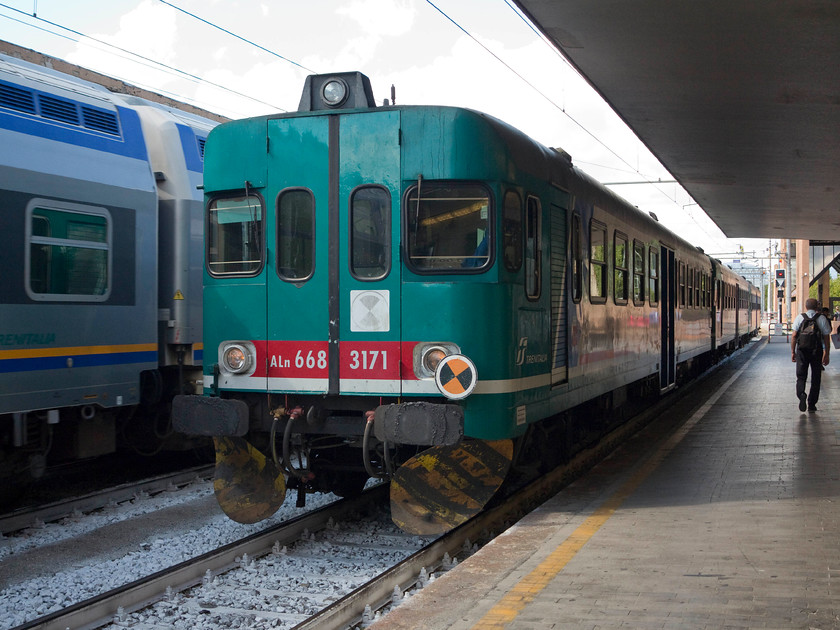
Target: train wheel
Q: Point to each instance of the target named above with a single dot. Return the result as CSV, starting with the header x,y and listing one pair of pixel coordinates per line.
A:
x,y
248,487
444,486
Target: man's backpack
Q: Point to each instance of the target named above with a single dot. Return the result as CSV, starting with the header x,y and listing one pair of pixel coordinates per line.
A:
x,y
809,338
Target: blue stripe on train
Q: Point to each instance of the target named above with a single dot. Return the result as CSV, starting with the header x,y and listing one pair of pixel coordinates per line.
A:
x,y
79,361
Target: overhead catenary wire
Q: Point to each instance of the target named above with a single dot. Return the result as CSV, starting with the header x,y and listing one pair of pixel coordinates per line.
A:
x,y
157,63
554,104
239,37
529,84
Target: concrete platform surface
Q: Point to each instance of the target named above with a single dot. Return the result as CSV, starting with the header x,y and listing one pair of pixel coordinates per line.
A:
x,y
723,513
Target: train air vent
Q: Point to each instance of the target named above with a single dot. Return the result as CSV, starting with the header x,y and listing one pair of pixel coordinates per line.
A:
x,y
58,109
100,120
15,98
201,142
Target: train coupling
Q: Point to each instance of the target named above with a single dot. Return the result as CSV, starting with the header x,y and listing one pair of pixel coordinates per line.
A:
x,y
421,423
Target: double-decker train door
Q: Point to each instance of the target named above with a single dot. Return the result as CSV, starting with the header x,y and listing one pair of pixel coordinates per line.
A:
x,y
332,298
667,305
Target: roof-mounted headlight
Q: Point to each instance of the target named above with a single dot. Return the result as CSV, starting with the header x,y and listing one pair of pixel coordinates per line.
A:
x,y
334,92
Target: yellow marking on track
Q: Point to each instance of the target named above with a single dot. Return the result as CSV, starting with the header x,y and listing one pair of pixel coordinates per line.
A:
x,y
533,584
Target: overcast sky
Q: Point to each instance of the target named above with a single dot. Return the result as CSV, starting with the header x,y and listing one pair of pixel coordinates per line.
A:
x,y
407,43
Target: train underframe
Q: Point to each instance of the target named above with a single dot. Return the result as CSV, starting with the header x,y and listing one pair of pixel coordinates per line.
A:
x,y
31,442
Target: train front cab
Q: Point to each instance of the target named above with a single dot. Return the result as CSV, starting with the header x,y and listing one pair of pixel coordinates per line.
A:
x,y
315,321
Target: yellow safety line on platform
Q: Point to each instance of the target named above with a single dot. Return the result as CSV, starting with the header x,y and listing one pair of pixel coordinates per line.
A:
x,y
532,584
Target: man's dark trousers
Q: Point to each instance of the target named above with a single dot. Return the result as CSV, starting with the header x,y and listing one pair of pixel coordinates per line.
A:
x,y
803,361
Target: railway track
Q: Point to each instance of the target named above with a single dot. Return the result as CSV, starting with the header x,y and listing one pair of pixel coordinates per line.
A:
x,y
28,517
329,568
230,563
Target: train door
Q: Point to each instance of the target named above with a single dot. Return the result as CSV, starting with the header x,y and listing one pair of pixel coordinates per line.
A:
x,y
298,260
668,360
713,320
367,255
331,325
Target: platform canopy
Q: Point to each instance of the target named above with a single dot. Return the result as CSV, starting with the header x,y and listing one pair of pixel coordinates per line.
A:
x,y
740,100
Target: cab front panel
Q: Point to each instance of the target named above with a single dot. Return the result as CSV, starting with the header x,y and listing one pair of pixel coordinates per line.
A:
x,y
312,271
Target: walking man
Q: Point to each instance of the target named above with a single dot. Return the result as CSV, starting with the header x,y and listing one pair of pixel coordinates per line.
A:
x,y
809,347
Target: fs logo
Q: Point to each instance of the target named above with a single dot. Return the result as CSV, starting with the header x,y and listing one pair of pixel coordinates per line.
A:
x,y
523,347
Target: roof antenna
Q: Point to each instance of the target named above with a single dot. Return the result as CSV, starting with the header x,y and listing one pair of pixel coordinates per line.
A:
x,y
393,95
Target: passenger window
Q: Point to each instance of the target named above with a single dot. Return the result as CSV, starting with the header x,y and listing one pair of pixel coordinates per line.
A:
x,y
69,253
576,258
533,249
690,287
621,275
295,234
653,278
597,262
512,231
638,273
697,298
370,238
681,275
234,235
448,227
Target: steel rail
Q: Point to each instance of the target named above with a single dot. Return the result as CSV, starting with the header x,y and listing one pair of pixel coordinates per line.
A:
x,y
26,517
100,610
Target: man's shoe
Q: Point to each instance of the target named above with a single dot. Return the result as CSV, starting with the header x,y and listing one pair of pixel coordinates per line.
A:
x,y
812,407
802,402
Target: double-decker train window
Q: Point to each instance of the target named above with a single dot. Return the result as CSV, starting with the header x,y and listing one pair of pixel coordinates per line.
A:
x,y
370,234
69,252
448,227
533,248
512,231
653,278
638,273
295,234
597,262
576,256
234,235
621,273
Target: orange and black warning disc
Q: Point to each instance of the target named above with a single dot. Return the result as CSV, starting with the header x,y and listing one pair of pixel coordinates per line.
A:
x,y
456,376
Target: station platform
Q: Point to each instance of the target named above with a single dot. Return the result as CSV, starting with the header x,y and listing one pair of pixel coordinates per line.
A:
x,y
722,513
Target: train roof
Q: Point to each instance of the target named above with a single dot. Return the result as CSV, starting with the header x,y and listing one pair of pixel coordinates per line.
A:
x,y
48,80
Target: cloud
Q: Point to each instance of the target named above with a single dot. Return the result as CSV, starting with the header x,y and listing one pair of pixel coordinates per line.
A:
x,y
381,18
148,30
